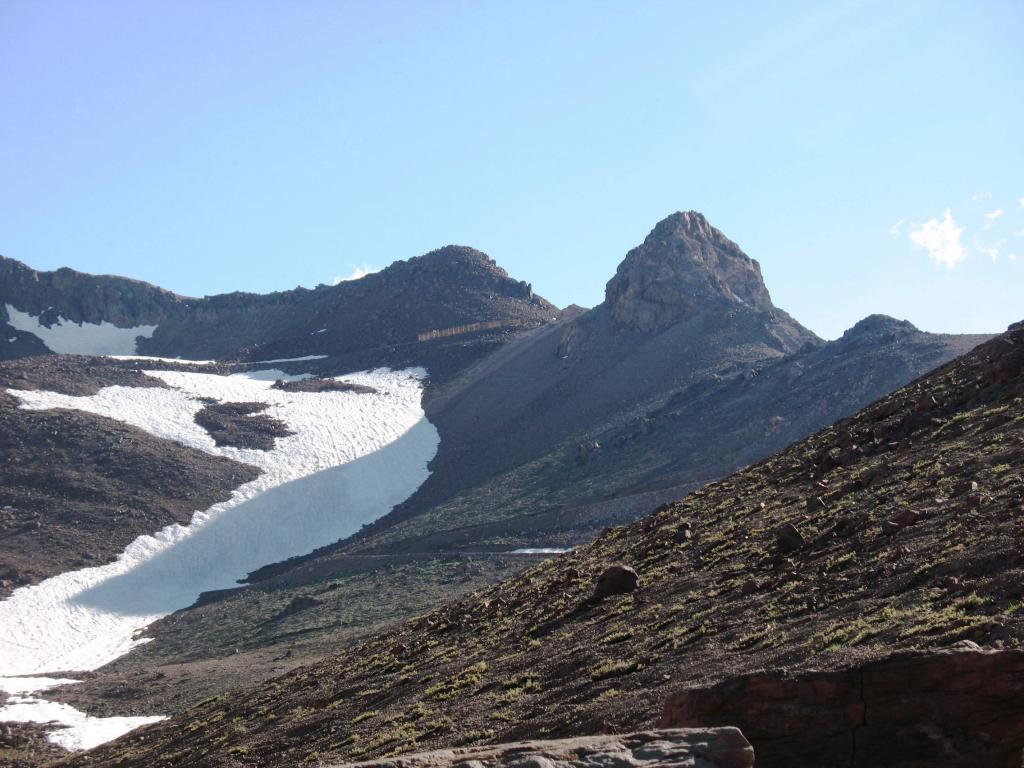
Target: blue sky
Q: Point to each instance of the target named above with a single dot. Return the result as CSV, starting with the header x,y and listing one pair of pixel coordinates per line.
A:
x,y
217,146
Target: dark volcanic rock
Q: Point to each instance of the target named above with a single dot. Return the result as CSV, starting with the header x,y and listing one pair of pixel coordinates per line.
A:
x,y
322,385
789,539
615,580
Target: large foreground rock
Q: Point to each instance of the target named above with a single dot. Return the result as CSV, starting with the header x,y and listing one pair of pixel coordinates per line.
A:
x,y
958,708
682,747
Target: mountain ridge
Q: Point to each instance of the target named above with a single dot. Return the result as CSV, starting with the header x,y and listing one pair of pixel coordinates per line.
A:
x,y
450,286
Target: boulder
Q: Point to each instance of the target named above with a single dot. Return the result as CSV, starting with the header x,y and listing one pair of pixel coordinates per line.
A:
x,y
789,539
680,748
615,580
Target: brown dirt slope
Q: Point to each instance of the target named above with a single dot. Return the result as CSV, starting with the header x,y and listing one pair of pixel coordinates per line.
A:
x,y
898,528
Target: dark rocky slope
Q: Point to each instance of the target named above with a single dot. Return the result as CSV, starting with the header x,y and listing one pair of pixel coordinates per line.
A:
x,y
450,287
896,529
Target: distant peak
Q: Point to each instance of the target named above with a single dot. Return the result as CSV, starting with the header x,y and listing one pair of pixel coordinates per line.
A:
x,y
880,324
682,264
455,254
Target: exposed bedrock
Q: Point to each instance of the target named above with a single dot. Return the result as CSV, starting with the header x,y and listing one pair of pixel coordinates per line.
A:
x,y
957,708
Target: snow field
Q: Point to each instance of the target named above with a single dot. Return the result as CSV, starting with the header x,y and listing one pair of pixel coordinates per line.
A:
x,y
66,337
352,458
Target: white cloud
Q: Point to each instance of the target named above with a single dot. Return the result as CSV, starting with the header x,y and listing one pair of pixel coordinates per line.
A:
x,y
1020,202
1012,256
941,238
979,196
357,273
896,228
992,216
1019,233
992,251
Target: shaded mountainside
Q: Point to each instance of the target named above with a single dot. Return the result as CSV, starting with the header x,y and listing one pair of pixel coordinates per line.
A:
x,y
896,529
450,287
687,431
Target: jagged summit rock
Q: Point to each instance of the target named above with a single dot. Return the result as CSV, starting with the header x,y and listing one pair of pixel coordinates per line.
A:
x,y
683,263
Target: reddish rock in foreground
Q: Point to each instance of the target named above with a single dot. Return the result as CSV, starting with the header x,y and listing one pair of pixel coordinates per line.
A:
x,y
956,708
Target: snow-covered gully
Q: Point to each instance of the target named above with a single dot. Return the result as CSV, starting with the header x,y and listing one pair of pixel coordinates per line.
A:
x,y
352,457
66,337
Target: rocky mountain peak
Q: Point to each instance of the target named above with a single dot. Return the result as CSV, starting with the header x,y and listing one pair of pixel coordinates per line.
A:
x,y
456,257
682,264
874,324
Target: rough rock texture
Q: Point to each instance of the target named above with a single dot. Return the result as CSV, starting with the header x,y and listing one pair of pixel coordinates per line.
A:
x,y
681,748
956,708
683,262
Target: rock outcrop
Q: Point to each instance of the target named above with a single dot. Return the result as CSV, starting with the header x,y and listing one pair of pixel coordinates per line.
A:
x,y
683,263
957,708
680,748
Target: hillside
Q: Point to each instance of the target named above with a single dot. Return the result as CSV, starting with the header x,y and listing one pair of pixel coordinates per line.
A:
x,y
895,529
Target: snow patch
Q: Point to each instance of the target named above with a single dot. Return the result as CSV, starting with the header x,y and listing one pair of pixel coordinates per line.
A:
x,y
69,338
541,551
76,730
290,359
18,685
352,458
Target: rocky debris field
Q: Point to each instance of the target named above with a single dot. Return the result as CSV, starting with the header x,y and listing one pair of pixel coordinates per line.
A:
x,y
241,425
895,530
